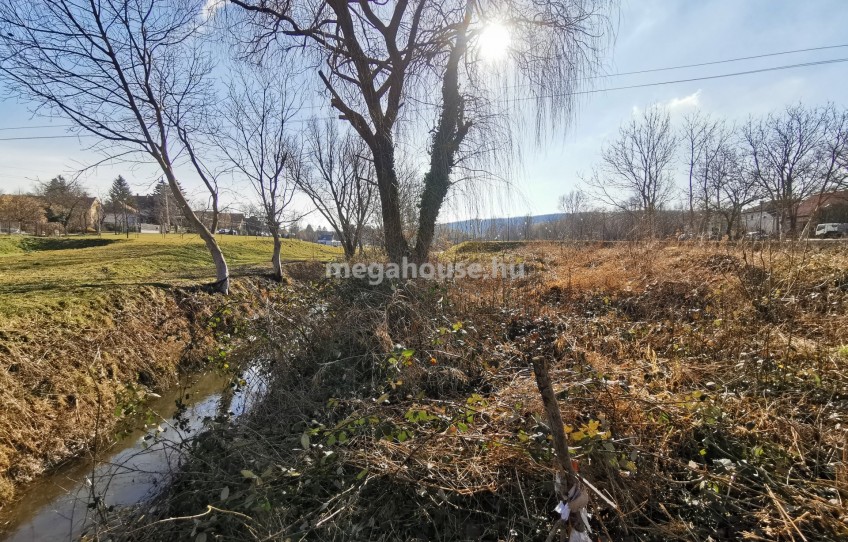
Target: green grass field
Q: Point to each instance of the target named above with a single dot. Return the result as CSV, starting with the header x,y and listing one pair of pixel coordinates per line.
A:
x,y
46,274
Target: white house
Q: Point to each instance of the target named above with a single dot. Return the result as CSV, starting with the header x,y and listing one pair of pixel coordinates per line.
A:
x,y
761,218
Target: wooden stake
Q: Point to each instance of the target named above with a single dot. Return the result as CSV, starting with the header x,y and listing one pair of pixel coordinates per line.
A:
x,y
543,381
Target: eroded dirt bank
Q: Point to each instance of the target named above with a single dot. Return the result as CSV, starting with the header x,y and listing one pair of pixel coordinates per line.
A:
x,y
69,378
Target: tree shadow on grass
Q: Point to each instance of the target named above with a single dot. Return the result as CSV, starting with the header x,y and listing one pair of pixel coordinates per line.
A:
x,y
60,243
43,287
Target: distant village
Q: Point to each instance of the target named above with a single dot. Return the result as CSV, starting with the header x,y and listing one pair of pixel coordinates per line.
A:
x,y
61,207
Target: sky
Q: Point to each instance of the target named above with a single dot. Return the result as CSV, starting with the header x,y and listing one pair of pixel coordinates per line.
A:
x,y
650,34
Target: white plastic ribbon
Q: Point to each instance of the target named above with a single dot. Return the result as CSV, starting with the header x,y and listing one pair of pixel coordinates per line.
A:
x,y
563,510
584,515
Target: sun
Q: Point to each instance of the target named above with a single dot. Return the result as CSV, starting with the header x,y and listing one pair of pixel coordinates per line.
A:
x,y
493,43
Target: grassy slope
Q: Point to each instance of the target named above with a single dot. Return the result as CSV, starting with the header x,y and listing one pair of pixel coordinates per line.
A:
x,y
51,275
86,316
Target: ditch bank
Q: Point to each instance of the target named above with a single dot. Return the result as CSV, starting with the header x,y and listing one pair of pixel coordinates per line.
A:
x,y
73,380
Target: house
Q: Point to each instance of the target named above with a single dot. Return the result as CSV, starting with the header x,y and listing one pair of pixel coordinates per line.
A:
x,y
229,222
827,207
86,216
328,238
120,219
69,213
762,217
145,208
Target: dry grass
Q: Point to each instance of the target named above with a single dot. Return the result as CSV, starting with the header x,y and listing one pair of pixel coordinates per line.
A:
x,y
89,324
705,390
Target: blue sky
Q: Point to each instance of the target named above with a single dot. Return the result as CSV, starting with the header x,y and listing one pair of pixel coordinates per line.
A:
x,y
650,34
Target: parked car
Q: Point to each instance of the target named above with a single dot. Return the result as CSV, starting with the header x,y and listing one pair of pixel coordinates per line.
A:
x,y
831,230
755,236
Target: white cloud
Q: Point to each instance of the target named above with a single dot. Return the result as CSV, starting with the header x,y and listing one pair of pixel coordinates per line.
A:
x,y
693,100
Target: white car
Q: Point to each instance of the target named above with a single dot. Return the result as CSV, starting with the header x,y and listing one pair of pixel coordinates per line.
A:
x,y
831,230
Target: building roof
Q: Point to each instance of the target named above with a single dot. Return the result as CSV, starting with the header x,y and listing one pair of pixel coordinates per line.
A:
x,y
762,207
822,201
223,218
807,206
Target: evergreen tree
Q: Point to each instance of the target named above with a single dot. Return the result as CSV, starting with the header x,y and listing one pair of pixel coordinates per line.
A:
x,y
120,195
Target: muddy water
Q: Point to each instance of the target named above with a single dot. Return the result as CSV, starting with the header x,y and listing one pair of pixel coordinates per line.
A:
x,y
57,507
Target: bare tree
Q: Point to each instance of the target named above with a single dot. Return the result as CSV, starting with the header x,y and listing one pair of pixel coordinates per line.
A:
x,y
378,57
795,154
832,159
22,210
573,204
341,184
258,147
730,185
704,140
63,199
130,73
635,171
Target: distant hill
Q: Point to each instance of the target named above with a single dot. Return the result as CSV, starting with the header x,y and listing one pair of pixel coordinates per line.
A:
x,y
484,224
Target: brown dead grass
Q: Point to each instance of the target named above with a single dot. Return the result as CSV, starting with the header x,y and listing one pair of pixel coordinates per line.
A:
x,y
704,389
68,378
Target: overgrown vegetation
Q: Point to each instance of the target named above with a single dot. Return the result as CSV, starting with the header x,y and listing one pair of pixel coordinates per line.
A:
x,y
91,323
703,391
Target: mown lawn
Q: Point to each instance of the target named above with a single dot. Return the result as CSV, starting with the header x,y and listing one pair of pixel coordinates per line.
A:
x,y
50,274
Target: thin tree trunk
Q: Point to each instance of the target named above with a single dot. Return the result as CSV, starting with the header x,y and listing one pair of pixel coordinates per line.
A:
x,y
349,248
560,441
222,273
275,258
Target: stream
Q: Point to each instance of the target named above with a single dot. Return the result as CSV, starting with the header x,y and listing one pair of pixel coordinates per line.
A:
x,y
56,507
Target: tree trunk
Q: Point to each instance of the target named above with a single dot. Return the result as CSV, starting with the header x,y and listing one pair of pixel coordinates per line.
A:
x,y
275,258
387,183
222,273
449,134
349,248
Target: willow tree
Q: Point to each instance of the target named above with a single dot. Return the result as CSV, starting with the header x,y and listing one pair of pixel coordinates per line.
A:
x,y
130,73
377,59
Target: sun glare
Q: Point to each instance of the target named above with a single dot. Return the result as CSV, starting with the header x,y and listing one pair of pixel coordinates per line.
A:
x,y
494,41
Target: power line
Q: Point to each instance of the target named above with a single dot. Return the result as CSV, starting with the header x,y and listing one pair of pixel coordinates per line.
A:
x,y
579,92
689,80
738,59
26,138
618,74
37,127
